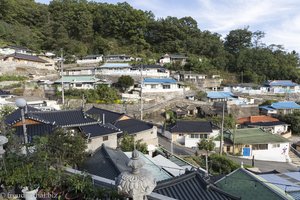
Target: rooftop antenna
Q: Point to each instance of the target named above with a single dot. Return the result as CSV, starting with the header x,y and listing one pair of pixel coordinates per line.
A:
x,y
62,77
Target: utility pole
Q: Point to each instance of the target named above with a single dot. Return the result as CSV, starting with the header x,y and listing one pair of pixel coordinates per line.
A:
x,y
141,94
222,129
62,77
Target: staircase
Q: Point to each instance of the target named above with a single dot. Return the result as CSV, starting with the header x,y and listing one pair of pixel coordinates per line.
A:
x,y
295,156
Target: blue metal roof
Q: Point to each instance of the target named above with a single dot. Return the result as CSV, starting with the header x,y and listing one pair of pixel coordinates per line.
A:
x,y
219,95
159,80
285,83
285,105
115,65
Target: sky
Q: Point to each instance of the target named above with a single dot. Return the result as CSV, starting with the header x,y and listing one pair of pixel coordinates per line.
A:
x,y
279,19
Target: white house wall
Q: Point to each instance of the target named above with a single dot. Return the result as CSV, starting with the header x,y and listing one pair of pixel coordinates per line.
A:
x,y
148,136
275,154
129,72
96,142
159,88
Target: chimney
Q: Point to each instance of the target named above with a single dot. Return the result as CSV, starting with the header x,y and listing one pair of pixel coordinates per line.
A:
x,y
103,118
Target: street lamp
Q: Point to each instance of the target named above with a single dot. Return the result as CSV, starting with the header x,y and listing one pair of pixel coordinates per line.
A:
x,y
21,103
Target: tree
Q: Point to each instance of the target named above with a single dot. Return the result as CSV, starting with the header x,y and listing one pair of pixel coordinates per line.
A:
x,y
206,144
124,82
237,40
200,95
292,119
128,143
220,164
67,147
5,110
229,121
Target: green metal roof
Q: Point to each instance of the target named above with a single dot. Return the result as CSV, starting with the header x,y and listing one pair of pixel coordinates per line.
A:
x,y
256,136
249,186
71,79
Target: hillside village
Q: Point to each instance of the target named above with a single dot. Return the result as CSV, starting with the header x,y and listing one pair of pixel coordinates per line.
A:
x,y
182,108
123,124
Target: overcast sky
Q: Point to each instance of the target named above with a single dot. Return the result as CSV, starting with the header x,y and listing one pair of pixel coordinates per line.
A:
x,y
279,19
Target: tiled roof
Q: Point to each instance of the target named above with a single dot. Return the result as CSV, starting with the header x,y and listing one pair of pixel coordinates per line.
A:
x,y
98,129
257,118
284,83
266,124
131,126
78,79
256,136
219,95
27,57
110,116
63,118
159,80
4,93
35,130
248,186
191,186
106,162
183,126
16,115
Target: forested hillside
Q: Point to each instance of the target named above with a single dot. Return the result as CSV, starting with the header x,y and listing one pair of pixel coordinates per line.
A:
x,y
81,27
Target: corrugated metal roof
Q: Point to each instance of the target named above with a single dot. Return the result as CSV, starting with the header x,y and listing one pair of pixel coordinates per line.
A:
x,y
256,136
159,80
269,108
158,172
249,186
27,57
115,65
284,83
73,79
219,95
285,105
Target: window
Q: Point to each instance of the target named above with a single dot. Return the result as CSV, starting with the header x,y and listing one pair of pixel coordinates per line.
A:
x,y
260,146
166,86
105,138
227,148
180,134
78,85
275,145
153,86
203,135
194,135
